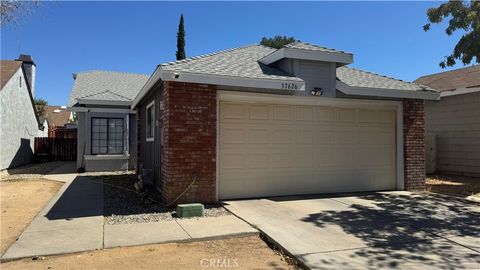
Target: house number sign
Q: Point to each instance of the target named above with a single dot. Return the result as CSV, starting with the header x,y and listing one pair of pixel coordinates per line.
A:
x,y
289,86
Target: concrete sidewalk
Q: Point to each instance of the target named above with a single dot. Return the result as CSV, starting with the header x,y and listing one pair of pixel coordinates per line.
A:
x,y
180,230
73,221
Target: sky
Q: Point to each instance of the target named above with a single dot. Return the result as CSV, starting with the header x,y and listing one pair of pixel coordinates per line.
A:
x,y
68,37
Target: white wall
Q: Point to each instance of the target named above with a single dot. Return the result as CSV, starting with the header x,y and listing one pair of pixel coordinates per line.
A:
x,y
44,132
456,122
18,124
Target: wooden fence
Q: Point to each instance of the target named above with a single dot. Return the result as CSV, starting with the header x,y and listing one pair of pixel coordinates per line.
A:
x,y
64,149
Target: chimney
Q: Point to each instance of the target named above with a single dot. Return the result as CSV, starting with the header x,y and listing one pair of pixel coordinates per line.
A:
x,y
29,67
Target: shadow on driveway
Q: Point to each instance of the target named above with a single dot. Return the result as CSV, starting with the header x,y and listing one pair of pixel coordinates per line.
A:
x,y
376,222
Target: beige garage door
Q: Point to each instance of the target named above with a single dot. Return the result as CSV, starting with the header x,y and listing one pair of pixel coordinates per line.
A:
x,y
274,149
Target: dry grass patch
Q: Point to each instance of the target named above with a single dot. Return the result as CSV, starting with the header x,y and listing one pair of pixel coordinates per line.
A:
x,y
20,202
234,253
453,185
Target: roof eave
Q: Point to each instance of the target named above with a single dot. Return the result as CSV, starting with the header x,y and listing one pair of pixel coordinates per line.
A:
x,y
459,91
293,53
187,77
387,93
86,101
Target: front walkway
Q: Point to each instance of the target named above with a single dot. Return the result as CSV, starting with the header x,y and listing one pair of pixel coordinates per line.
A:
x,y
73,221
384,230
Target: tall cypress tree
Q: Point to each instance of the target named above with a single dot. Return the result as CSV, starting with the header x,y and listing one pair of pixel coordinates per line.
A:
x,y
181,40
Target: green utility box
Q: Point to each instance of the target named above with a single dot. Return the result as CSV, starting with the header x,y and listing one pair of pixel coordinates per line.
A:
x,y
190,210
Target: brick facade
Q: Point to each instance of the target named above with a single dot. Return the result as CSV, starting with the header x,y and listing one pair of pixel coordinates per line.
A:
x,y
190,140
414,143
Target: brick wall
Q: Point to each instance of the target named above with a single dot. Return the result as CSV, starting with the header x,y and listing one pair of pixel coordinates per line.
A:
x,y
414,143
190,131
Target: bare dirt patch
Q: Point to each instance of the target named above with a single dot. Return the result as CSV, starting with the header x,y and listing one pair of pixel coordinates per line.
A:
x,y
453,185
29,171
237,253
20,201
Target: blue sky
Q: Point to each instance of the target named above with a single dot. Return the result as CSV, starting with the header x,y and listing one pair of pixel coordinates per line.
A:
x,y
68,37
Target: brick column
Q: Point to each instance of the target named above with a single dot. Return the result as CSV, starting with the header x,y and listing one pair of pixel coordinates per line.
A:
x,y
414,143
190,139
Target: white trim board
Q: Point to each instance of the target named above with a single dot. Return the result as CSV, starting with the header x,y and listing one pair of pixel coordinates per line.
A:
x,y
294,53
102,110
150,139
103,102
389,93
225,95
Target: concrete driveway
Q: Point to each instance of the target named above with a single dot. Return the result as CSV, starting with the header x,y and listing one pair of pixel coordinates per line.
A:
x,y
384,230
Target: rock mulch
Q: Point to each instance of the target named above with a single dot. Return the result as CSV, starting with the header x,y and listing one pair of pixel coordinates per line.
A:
x,y
34,170
122,204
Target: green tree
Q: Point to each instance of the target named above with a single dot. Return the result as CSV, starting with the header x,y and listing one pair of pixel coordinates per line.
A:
x,y
277,42
40,105
181,40
463,16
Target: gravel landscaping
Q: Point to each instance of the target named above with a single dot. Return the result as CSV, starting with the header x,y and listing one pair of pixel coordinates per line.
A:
x,y
122,204
453,185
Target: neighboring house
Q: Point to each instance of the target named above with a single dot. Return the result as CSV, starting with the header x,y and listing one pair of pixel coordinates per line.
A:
x,y
256,121
105,122
19,124
455,120
60,121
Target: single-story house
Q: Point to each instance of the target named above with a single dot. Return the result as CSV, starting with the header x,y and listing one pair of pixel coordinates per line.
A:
x,y
454,121
255,121
19,122
102,102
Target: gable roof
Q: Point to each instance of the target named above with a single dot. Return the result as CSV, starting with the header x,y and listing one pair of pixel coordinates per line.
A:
x,y
359,78
57,116
106,86
467,77
248,66
241,62
310,47
7,69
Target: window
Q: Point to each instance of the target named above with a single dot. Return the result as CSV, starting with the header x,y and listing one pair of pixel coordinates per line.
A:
x,y
107,136
150,121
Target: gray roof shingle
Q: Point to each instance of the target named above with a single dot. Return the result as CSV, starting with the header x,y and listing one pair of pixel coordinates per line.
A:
x,y
311,47
243,62
238,62
106,85
359,78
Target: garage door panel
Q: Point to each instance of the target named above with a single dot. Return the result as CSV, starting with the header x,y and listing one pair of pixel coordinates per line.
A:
x,y
325,114
346,135
258,112
278,149
346,115
305,136
304,113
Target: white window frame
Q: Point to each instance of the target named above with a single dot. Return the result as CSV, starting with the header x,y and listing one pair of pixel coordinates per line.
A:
x,y
150,105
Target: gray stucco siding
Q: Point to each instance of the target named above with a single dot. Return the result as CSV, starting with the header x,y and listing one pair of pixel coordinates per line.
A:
x,y
151,151
108,162
455,120
18,123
